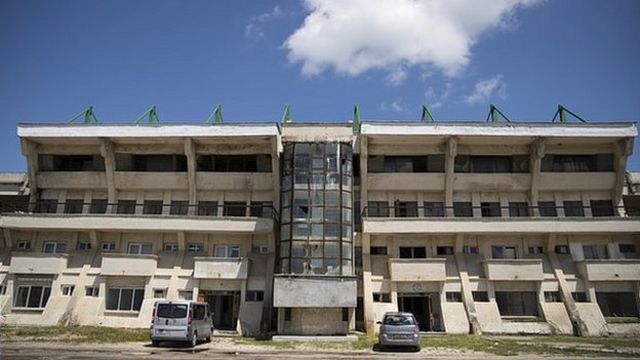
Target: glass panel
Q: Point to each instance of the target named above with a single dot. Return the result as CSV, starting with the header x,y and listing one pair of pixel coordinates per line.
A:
x,y
317,214
346,267
316,248
284,249
297,249
138,296
300,231
126,299
333,266
297,266
316,231
317,266
21,298
45,296
331,249
112,299
346,250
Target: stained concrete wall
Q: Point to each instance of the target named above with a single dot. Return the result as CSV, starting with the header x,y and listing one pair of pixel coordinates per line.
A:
x,y
316,321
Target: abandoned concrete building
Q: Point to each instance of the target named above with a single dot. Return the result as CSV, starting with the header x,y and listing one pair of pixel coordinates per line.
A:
x,y
320,228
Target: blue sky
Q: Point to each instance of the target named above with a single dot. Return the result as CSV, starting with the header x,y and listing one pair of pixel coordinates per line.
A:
x,y
253,57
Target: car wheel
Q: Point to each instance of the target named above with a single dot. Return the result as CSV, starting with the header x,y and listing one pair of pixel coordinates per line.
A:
x,y
194,340
155,342
417,348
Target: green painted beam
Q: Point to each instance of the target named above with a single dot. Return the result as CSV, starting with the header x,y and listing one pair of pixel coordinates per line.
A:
x,y
152,115
426,114
286,114
87,115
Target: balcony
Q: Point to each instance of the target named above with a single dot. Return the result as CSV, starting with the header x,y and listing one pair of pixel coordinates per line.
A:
x,y
314,291
513,269
221,268
143,180
37,263
128,265
432,269
72,179
610,269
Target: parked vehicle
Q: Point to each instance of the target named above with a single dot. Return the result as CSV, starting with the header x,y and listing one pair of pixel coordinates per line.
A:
x,y
399,329
181,320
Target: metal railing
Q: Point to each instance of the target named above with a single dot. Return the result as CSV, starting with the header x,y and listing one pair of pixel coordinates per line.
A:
x,y
132,208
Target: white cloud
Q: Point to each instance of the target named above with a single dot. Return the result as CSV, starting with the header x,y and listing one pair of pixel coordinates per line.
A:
x,y
254,30
486,89
354,36
397,105
436,99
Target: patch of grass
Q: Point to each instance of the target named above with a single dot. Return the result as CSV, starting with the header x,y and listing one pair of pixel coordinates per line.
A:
x,y
73,333
613,342
363,343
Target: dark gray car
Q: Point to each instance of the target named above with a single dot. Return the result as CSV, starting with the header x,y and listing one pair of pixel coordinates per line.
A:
x,y
399,329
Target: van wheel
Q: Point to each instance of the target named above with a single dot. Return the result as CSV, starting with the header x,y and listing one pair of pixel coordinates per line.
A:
x,y
194,340
155,343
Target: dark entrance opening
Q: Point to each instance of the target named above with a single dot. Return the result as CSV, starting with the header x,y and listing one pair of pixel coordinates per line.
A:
x,y
225,306
425,307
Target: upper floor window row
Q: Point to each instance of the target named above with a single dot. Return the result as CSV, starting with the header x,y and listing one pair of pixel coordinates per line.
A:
x,y
406,164
235,163
49,162
491,164
577,163
151,162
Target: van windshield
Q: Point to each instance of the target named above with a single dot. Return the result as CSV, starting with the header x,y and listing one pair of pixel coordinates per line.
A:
x,y
172,311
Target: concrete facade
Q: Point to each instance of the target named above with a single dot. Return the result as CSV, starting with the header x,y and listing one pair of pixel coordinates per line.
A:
x,y
474,227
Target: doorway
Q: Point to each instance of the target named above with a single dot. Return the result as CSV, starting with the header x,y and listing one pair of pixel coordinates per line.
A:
x,y
225,306
425,307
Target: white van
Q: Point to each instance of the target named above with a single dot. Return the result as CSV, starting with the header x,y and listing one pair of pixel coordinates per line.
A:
x,y
181,320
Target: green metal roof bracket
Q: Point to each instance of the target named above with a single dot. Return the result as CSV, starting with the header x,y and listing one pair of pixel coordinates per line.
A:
x,y
495,114
286,114
426,114
152,115
216,115
562,112
357,124
87,114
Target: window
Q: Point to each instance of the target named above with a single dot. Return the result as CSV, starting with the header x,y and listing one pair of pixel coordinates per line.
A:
x,y
547,208
124,299
92,291
84,246
470,249
518,209
235,208
152,207
234,163
230,251
260,249
594,252
418,252
491,164
462,209
552,296
627,248
254,296
67,290
512,303
126,207
170,247
98,206
382,297
261,209
617,304
434,209
179,207
577,163
444,250
108,246
3,289
535,250
490,209
406,209
562,249
345,314
602,208
579,296
139,249
185,294
287,314
454,296
504,252
480,296
152,162
48,162
51,247
159,293
406,164
573,208
195,247
28,296
378,250
208,208
378,209
47,206
73,206
23,245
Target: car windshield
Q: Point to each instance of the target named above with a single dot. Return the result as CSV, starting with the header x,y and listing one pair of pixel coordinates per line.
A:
x,y
172,311
399,320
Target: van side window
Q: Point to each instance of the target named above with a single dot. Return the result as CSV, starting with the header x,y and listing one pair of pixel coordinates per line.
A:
x,y
198,312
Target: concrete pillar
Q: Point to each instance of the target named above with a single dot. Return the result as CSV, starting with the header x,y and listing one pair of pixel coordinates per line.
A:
x,y
467,295
108,154
190,153
450,156
29,150
367,291
622,150
276,147
536,153
267,303
8,238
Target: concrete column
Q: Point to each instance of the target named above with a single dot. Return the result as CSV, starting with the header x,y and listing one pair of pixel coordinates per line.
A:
x,y
190,153
367,291
622,150
467,295
93,239
86,207
475,202
450,156
536,153
267,303
196,289
29,150
276,146
108,154
182,242
8,238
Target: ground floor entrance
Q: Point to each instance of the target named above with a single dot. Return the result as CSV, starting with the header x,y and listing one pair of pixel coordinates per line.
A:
x,y
224,305
425,307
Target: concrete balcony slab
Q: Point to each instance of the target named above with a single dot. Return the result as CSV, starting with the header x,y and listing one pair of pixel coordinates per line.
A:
x,y
432,269
221,268
513,269
610,269
37,263
128,265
